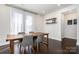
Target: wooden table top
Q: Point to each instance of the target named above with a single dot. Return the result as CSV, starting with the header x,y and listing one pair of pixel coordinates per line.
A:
x,y
19,36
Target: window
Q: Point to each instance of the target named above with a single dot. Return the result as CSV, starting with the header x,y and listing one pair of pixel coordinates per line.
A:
x,y
20,21
16,22
28,23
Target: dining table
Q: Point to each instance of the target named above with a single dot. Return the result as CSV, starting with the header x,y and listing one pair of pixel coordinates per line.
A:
x,y
11,38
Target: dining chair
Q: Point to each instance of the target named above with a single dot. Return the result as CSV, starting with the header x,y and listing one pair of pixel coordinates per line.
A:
x,y
27,43
39,40
31,32
21,33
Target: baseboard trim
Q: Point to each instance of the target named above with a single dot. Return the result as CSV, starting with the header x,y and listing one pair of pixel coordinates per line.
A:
x,y
68,38
55,39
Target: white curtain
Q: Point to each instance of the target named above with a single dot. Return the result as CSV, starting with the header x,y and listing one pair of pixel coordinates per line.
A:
x,y
28,23
20,21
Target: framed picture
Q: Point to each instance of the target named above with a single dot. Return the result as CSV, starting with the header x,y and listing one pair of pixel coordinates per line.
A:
x,y
75,21
51,21
69,22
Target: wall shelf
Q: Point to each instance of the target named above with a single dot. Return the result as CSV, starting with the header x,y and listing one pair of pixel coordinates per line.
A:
x,y
51,21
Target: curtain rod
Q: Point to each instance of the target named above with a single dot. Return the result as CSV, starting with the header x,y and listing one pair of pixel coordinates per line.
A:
x,y
10,5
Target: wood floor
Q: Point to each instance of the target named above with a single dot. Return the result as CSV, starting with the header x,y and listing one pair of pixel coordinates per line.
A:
x,y
54,47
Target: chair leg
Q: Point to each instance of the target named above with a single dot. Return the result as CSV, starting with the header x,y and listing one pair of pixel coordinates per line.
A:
x,y
22,51
37,47
33,50
30,49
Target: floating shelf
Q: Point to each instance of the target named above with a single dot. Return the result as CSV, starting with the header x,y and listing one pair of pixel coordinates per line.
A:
x,y
51,21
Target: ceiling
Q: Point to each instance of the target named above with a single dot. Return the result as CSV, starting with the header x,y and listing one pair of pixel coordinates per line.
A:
x,y
41,9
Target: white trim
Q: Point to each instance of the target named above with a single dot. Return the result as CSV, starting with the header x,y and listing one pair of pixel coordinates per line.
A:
x,y
55,39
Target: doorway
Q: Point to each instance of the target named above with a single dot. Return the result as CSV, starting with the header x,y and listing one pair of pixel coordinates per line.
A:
x,y
69,30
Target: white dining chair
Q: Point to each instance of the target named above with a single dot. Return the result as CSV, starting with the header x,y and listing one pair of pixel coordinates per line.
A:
x,y
27,43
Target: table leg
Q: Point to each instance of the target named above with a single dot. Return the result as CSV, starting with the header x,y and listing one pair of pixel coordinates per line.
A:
x,y
47,40
11,46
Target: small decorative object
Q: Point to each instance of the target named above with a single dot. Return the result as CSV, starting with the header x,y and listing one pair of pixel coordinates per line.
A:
x,y
69,22
75,21
51,21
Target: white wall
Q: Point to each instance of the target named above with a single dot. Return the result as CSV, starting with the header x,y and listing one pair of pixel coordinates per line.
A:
x,y
4,19
4,23
69,31
78,25
39,23
54,30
